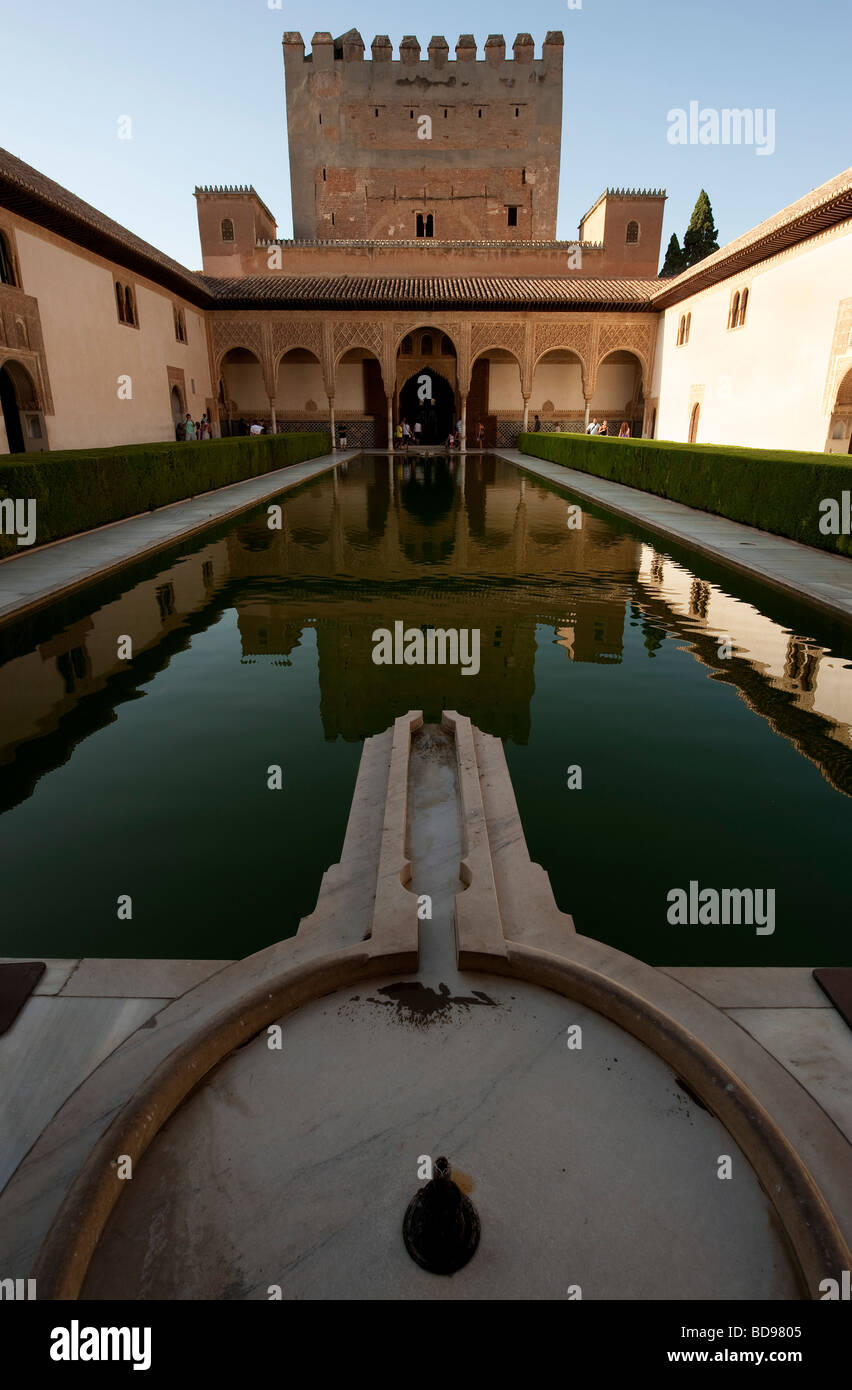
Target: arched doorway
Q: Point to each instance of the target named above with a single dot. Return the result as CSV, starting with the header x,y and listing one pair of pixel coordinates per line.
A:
x,y
178,411
11,413
428,397
21,410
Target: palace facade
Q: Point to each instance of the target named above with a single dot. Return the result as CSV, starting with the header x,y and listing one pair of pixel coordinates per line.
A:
x,y
424,206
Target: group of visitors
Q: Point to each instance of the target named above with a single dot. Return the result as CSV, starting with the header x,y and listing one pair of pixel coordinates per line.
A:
x,y
596,426
193,429
405,434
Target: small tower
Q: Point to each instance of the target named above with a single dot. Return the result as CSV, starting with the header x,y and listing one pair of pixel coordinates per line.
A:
x,y
629,224
230,223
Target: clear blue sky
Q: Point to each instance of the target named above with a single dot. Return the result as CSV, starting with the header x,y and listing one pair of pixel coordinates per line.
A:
x,y
204,86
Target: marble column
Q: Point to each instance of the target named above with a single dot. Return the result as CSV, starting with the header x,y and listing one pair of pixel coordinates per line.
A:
x,y
331,422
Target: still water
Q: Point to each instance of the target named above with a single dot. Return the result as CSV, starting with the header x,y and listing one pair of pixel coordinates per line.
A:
x,y
709,719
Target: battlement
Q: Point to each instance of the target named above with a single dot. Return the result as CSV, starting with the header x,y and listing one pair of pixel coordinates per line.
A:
x,y
403,143
326,51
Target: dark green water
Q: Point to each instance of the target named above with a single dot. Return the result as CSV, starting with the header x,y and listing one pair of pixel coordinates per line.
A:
x,y
599,648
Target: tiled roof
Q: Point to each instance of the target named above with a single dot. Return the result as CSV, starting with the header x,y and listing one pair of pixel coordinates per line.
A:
x,y
433,292
33,195
820,209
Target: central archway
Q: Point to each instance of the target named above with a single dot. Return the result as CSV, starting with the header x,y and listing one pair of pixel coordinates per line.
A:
x,y
428,397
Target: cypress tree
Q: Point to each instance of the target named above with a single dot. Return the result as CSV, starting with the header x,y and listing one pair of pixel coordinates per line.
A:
x,y
674,262
700,239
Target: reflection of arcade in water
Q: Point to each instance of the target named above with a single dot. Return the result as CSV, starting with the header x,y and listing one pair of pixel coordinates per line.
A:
x,y
458,542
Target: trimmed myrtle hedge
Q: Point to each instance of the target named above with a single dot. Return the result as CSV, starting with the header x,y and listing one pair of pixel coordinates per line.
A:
x,y
77,489
775,490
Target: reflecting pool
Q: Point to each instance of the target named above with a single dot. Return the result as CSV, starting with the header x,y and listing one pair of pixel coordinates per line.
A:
x,y
706,718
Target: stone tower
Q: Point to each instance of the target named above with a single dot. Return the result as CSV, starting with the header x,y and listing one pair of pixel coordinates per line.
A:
x,y
402,148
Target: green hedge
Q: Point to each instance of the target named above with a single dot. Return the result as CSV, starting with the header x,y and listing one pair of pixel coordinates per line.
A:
x,y
77,489
775,490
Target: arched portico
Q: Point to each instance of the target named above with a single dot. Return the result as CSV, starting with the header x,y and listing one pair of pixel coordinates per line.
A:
x,y
23,418
618,391
840,425
557,390
244,387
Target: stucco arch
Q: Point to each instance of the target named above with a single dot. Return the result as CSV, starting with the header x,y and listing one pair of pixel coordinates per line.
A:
x,y
24,380
621,345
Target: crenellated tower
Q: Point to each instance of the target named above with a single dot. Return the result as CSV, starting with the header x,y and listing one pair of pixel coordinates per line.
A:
x,y
397,148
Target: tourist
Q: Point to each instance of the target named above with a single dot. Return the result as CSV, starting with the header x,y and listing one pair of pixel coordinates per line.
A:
x,y
593,427
256,428
604,429
418,431
624,432
343,437
397,436
480,436
180,430
189,428
459,428
537,425
406,433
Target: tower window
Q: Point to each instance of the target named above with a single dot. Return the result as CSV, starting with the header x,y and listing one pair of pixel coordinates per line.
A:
x,y
376,111
227,229
523,176
323,175
320,118
429,224
420,225
517,111
332,219
445,113
632,236
479,113
411,115
513,216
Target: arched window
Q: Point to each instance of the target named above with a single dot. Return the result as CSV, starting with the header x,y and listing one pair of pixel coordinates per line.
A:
x,y
180,325
743,307
21,333
420,224
447,349
632,233
405,347
227,229
119,299
688,326
429,225
129,307
734,314
426,345
681,330
7,266
693,423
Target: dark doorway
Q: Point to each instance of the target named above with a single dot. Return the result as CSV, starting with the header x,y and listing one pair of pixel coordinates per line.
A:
x,y
11,413
435,411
